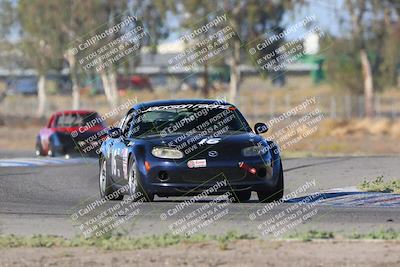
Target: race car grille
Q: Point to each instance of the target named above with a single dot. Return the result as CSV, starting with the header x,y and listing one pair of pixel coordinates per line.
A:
x,y
203,175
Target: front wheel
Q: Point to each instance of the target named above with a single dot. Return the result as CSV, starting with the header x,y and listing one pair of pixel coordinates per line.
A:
x,y
52,151
272,194
137,189
39,149
105,184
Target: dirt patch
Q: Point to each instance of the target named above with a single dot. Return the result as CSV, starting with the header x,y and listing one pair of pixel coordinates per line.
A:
x,y
349,137
362,127
18,138
238,253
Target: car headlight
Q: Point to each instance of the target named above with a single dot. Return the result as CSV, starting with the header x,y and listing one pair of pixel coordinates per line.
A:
x,y
166,153
254,151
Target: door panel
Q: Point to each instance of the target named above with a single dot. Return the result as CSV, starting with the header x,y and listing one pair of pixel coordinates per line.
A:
x,y
121,150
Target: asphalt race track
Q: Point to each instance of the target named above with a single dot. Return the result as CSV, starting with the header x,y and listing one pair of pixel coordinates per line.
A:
x,y
44,196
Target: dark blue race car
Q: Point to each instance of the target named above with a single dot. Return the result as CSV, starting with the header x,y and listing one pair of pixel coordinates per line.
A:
x,y
186,147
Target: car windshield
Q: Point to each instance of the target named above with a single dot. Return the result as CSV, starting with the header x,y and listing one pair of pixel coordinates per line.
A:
x,y
167,120
77,119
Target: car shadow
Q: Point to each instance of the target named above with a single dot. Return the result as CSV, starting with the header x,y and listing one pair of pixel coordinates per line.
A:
x,y
315,197
337,198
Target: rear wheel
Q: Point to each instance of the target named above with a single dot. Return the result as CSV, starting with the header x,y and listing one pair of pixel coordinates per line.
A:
x,y
39,149
137,189
272,194
51,152
242,196
105,184
53,149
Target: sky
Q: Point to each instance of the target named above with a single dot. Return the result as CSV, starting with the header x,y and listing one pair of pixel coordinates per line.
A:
x,y
325,11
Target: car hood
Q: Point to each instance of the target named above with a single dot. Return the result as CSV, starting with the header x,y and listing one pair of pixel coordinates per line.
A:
x,y
229,144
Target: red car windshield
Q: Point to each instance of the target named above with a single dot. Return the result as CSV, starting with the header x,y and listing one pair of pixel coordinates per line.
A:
x,y
77,119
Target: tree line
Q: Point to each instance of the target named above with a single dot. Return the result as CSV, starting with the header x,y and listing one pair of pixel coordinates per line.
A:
x,y
363,58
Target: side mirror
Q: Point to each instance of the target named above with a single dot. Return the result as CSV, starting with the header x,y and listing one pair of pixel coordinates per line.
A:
x,y
260,127
114,132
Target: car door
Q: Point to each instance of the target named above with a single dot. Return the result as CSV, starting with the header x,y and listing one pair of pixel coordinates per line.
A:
x,y
113,146
120,149
46,132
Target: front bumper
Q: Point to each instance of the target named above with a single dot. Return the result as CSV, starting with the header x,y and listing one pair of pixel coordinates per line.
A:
x,y
171,179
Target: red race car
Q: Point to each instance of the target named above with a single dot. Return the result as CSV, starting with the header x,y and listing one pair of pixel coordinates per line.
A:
x,y
71,131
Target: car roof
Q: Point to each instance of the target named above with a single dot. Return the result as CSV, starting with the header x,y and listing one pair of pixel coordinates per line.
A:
x,y
179,102
78,111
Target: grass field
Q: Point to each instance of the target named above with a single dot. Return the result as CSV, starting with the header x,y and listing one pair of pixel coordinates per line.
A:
x,y
374,249
119,241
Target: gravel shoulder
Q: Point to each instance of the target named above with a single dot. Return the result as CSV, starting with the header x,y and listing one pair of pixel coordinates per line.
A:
x,y
252,253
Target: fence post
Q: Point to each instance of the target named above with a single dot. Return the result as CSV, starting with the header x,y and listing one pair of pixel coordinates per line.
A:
x,y
239,101
33,105
272,107
393,109
255,107
333,107
347,101
360,106
287,102
6,109
377,106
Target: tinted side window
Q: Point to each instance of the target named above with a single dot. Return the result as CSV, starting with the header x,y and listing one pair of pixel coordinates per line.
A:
x,y
126,123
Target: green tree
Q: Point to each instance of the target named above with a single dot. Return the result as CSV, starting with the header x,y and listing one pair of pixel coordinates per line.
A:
x,y
198,14
6,21
149,16
39,42
249,19
370,52
76,21
50,30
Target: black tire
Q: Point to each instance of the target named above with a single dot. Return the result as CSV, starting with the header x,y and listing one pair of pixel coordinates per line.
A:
x,y
52,152
105,185
137,188
272,194
242,196
39,149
